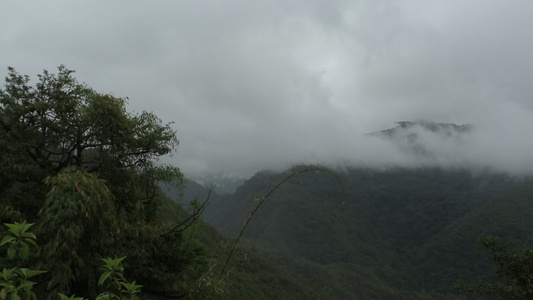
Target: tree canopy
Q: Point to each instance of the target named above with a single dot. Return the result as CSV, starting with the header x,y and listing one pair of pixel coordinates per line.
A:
x,y
86,171
514,271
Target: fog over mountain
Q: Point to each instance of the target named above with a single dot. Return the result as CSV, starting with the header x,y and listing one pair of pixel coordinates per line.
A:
x,y
254,85
429,144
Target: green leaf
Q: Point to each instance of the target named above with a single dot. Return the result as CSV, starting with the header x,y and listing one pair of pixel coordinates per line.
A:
x,y
30,273
31,242
18,228
130,287
15,297
24,251
11,251
29,235
104,296
13,227
104,277
7,239
7,274
25,284
73,297
25,227
113,262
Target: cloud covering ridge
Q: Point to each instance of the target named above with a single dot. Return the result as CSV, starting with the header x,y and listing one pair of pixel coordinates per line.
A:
x,y
254,85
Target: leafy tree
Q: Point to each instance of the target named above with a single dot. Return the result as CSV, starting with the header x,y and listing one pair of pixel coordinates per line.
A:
x,y
86,171
514,271
61,123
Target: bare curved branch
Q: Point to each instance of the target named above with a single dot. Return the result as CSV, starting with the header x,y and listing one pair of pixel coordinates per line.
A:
x,y
290,175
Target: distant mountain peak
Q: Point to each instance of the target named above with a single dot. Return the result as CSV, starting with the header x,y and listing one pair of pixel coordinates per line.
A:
x,y
416,137
445,129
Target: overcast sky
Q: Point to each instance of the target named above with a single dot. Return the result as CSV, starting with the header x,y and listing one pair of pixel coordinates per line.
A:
x,y
262,84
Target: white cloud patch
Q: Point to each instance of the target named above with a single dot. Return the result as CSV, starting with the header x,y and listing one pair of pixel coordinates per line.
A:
x,y
263,84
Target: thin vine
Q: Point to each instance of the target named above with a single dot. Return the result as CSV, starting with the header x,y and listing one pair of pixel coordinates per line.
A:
x,y
290,175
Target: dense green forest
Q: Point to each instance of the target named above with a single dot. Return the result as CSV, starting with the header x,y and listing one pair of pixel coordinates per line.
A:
x,y
381,234
86,173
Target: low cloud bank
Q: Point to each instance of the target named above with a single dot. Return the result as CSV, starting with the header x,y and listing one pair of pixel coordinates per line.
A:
x,y
500,145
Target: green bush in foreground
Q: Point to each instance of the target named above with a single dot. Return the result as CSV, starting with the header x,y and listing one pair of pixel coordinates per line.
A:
x,y
16,283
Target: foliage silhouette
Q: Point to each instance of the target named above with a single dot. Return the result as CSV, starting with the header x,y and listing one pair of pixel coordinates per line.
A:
x,y
514,271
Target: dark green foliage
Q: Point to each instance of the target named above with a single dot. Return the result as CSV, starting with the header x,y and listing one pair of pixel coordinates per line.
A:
x,y
452,252
79,222
60,123
514,271
116,284
388,238
19,240
259,201
15,282
86,171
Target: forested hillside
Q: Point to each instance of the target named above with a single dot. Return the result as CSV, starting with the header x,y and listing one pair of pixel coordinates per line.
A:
x,y
380,234
90,211
80,195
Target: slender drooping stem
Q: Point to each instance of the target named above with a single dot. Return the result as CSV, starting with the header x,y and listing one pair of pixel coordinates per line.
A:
x,y
256,208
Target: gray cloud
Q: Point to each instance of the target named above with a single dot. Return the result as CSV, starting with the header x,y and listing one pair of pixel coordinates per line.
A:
x,y
263,84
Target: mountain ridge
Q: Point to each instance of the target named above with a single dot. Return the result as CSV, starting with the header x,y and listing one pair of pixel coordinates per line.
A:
x,y
378,237
446,129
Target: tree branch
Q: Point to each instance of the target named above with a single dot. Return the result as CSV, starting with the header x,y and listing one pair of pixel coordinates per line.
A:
x,y
256,208
192,218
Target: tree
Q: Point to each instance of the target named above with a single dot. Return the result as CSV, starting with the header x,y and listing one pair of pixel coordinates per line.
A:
x,y
86,171
514,272
60,123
